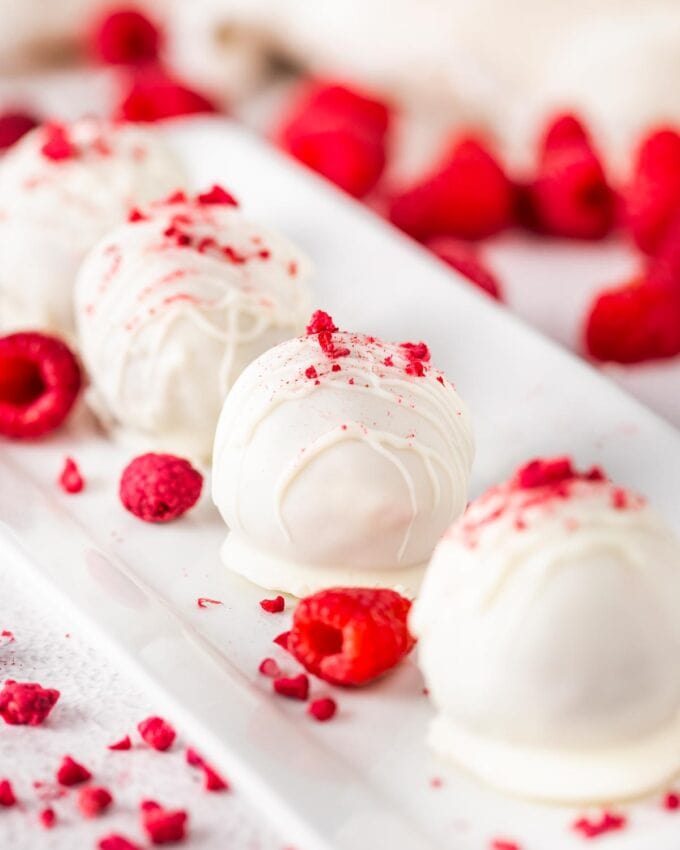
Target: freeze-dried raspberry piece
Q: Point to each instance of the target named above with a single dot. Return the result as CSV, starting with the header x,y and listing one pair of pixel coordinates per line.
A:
x,y
47,818
217,195
124,37
320,323
94,801
159,487
565,129
7,796
70,478
504,844
26,703
212,780
664,265
204,602
462,257
273,606
154,96
157,733
116,842
6,637
57,145
14,125
671,801
350,636
39,382
636,322
124,744
468,196
293,687
71,772
269,667
322,709
594,827
282,640
164,826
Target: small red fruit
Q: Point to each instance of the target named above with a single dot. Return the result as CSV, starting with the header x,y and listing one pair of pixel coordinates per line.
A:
x,y
26,703
463,258
70,479
125,37
322,709
159,487
94,801
164,826
14,125
157,733
70,772
154,96
7,796
294,687
350,636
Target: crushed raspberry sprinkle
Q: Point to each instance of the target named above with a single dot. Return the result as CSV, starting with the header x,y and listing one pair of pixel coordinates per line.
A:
x,y
217,195
463,258
269,667
282,640
671,801
26,703
350,636
554,471
212,779
153,95
417,355
70,479
6,637
136,215
39,382
205,602
163,826
293,687
159,487
94,801
71,772
319,323
124,744
116,842
47,818
322,709
273,606
595,827
504,844
7,796
14,125
125,37
57,145
157,733
311,373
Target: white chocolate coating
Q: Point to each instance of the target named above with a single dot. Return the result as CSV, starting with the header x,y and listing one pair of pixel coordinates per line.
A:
x,y
53,211
549,640
165,328
344,477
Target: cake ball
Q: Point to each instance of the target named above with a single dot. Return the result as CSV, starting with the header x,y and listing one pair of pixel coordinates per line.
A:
x,y
62,187
171,307
549,636
339,459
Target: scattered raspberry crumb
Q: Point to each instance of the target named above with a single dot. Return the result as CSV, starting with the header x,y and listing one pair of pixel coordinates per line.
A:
x,y
7,797
14,125
6,637
57,145
273,606
671,801
94,801
71,772
26,703
124,744
204,602
504,844
159,487
436,782
70,479
47,818
594,827
154,96
311,373
462,257
282,640
157,733
269,667
350,636
116,842
553,471
212,780
163,826
294,687
136,215
39,382
322,709
124,37
217,195
319,323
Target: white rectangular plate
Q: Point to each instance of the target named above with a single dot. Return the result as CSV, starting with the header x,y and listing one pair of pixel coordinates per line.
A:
x,y
364,780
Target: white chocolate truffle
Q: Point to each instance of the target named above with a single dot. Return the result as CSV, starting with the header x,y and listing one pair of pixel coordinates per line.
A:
x,y
549,639
61,189
170,309
339,460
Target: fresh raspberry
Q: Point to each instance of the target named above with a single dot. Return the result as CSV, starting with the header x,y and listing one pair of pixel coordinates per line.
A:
x,y
338,132
159,487
273,606
294,687
350,636
164,826
14,125
7,796
157,733
124,37
570,196
282,640
636,322
26,703
468,196
269,667
47,818
57,145
70,479
155,96
464,259
652,197
322,709
116,842
217,195
71,772
39,382
664,265
94,801
594,827
124,744
563,130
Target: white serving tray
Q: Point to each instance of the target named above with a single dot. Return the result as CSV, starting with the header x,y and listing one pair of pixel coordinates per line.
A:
x,y
364,780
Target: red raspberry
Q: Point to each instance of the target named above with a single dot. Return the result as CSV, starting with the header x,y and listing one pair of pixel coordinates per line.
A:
x,y
350,636
664,265
563,130
94,801
70,772
294,687
469,196
14,125
571,197
47,818
26,703
70,479
116,842
155,96
7,797
163,826
463,258
652,198
633,323
322,709
273,606
157,733
39,382
328,103
124,744
159,488
124,37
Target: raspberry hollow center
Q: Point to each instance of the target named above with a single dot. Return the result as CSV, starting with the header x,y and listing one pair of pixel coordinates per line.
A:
x,y
324,639
21,381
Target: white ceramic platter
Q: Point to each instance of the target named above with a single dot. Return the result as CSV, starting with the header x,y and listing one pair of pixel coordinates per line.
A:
x,y
364,780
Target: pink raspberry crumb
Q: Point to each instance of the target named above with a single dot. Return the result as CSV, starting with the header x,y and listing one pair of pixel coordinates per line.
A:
x,y
273,606
124,744
163,826
116,842
294,687
157,733
47,818
94,801
671,801
269,667
594,827
322,709
7,797
282,640
204,602
71,772
26,703
70,479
